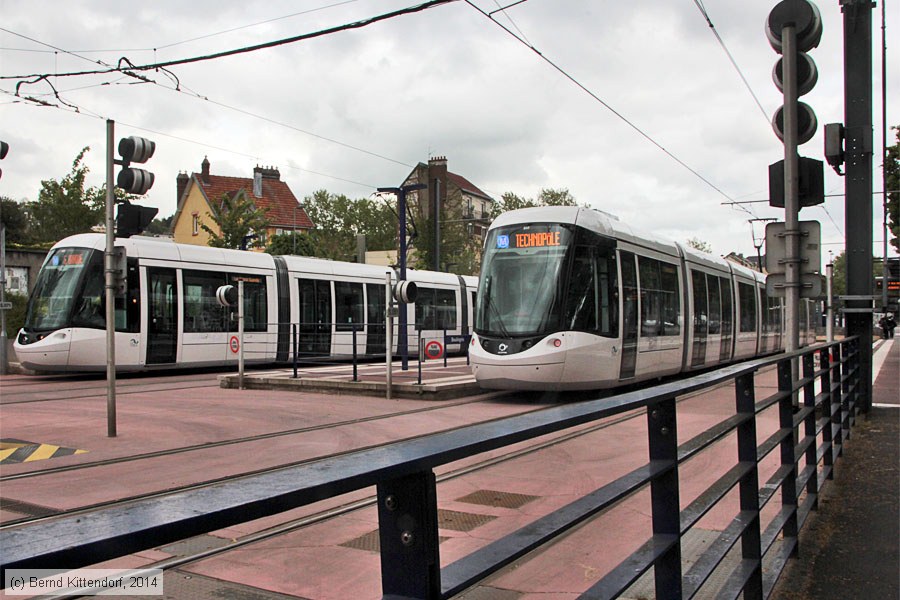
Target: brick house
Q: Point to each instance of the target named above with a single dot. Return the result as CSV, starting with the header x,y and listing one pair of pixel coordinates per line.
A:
x,y
266,190
465,213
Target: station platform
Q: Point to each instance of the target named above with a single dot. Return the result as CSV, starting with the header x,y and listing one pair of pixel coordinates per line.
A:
x,y
431,380
850,548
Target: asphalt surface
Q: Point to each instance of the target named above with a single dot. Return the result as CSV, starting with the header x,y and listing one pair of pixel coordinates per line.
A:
x,y
849,548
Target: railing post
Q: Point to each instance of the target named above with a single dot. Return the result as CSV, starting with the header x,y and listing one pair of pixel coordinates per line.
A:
x,y
809,427
294,336
355,372
408,532
829,457
788,458
664,496
837,419
445,348
751,544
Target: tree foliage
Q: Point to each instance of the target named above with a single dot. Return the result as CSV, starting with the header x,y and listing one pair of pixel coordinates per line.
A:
x,y
700,245
291,243
15,220
236,217
339,219
547,197
160,226
892,181
66,207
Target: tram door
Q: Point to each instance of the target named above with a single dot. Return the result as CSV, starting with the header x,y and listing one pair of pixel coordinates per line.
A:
x,y
162,316
629,315
314,329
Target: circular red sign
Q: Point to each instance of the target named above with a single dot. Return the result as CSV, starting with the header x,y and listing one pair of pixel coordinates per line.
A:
x,y
433,349
235,344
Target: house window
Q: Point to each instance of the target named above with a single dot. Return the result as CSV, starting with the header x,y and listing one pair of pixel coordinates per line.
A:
x,y
195,224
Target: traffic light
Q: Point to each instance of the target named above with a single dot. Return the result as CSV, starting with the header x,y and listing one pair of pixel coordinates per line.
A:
x,y
4,148
139,150
132,219
807,23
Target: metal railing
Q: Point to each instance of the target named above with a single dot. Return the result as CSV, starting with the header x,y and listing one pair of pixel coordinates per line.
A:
x,y
809,439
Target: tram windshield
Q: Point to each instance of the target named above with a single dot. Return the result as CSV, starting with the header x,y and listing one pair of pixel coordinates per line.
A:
x,y
520,291
57,288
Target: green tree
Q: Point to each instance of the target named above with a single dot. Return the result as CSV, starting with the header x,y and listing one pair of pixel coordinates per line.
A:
x,y
291,243
237,217
892,181
15,221
161,226
339,220
66,207
700,245
547,197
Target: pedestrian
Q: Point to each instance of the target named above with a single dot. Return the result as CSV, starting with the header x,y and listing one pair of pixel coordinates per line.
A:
x,y
883,323
891,324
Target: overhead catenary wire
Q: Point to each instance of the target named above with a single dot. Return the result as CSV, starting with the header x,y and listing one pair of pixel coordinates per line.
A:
x,y
127,72
737,68
605,104
246,49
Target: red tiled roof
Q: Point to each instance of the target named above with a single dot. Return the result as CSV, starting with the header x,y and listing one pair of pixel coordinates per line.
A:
x,y
283,209
466,185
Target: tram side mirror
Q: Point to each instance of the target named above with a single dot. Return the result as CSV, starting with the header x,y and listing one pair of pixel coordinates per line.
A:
x,y
406,292
227,295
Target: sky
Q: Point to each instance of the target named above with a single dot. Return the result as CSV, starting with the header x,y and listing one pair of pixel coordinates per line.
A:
x,y
355,110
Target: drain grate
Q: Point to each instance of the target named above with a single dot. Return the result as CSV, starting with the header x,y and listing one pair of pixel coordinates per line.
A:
x,y
461,521
371,543
497,499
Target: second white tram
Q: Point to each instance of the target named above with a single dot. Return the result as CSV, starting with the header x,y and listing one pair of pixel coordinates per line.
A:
x,y
570,298
167,314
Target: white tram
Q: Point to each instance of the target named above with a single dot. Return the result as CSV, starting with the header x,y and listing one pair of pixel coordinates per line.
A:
x,y
167,315
570,298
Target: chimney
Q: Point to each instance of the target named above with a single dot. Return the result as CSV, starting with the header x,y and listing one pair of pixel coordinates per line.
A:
x,y
204,170
257,183
267,172
180,185
437,170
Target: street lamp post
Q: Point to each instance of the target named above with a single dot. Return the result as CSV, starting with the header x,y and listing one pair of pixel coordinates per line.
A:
x,y
402,338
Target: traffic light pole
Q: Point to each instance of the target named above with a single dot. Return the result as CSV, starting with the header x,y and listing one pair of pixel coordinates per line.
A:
x,y
109,271
792,261
858,193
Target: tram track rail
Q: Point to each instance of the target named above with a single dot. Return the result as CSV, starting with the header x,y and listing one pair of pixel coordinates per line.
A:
x,y
355,505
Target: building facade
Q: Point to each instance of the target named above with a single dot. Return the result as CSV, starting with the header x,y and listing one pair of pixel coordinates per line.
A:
x,y
266,190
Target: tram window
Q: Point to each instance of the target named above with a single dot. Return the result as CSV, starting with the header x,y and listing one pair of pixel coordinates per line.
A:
x,y
671,303
747,300
715,304
425,308
202,312
727,308
445,309
255,305
660,309
582,310
701,316
651,297
90,304
348,304
436,309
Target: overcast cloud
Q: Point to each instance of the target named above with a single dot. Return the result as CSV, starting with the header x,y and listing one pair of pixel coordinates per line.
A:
x,y
357,109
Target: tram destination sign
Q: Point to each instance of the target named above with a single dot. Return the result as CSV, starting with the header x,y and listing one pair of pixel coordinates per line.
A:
x,y
532,239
